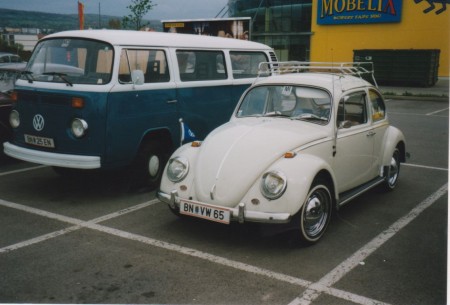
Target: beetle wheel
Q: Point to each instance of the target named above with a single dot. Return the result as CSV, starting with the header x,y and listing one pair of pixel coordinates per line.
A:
x,y
316,212
393,171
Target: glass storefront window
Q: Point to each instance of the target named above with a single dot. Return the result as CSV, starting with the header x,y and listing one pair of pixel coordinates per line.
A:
x,y
284,25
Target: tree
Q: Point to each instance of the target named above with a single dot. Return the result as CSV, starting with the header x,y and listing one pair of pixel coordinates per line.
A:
x,y
114,23
138,10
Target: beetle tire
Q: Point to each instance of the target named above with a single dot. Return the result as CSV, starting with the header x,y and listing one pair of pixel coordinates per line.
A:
x,y
315,213
392,171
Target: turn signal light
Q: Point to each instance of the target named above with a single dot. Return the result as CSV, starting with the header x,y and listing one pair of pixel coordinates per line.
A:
x,y
77,102
290,154
13,96
196,144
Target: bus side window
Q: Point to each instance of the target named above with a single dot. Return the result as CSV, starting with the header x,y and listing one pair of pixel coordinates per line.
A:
x,y
201,65
152,63
246,64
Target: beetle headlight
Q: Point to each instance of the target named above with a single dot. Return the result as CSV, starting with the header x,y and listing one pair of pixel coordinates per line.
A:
x,y
14,119
273,184
79,127
177,169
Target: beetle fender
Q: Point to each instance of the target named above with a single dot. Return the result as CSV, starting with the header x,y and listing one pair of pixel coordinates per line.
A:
x,y
300,172
393,138
188,152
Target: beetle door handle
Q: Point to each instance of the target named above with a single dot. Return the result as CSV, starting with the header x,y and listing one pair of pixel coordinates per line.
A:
x,y
371,133
172,101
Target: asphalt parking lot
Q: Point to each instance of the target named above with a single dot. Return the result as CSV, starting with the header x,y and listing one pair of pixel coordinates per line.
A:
x,y
95,240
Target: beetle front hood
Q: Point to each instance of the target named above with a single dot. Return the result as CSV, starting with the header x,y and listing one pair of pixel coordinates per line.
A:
x,y
236,154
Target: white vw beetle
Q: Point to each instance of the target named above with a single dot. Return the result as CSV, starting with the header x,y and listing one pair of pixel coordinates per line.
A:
x,y
297,145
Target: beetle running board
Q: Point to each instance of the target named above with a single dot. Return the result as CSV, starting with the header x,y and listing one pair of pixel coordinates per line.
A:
x,y
345,197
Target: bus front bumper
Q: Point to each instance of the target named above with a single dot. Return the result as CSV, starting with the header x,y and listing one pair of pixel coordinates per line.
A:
x,y
52,159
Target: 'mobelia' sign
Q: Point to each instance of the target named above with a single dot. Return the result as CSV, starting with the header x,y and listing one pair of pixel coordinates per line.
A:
x,y
358,11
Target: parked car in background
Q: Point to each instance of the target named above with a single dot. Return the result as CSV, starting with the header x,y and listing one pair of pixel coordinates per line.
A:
x,y
8,75
8,58
5,127
297,146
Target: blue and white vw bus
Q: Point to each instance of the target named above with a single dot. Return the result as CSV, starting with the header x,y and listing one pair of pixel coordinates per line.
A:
x,y
109,99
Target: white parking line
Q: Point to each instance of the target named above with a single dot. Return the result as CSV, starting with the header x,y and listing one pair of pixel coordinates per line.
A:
x,y
420,114
22,170
313,291
92,224
78,224
316,289
426,167
435,112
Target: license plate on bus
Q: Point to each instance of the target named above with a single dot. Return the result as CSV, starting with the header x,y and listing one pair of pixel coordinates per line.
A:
x,y
201,210
40,141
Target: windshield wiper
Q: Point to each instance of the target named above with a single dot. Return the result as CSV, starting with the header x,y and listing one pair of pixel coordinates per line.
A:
x,y
61,76
28,76
276,113
309,116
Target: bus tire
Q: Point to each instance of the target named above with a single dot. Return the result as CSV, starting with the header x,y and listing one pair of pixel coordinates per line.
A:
x,y
150,164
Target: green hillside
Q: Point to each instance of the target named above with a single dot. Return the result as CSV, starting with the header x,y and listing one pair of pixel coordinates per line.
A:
x,y
49,22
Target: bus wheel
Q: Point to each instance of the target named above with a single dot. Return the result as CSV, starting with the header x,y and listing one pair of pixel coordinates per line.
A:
x,y
150,164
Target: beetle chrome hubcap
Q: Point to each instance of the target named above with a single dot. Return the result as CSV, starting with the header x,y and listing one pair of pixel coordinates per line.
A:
x,y
393,171
316,212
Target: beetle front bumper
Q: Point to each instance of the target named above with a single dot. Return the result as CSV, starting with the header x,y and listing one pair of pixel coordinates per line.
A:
x,y
240,214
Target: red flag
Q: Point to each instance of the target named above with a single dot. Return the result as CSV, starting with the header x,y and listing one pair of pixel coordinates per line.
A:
x,y
81,14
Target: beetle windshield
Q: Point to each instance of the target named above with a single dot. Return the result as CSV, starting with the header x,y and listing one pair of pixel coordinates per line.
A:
x,y
71,61
295,102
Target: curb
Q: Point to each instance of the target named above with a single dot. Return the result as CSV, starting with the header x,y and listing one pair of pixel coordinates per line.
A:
x,y
418,98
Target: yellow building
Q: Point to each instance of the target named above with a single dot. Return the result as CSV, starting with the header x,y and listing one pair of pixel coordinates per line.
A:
x,y
419,25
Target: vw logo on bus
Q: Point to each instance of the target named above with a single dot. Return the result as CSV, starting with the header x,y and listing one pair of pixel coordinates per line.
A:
x,y
38,122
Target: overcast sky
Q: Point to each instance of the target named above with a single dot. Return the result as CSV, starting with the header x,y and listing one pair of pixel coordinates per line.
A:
x,y
164,9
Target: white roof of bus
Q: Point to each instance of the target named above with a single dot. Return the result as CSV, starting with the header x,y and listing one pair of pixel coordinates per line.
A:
x,y
140,38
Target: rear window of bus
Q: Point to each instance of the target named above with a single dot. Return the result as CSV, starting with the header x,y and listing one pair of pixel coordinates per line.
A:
x,y
246,64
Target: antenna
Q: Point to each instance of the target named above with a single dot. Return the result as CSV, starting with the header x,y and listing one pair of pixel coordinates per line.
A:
x,y
99,17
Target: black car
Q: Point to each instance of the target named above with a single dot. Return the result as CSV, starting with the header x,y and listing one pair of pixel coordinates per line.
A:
x,y
5,127
8,76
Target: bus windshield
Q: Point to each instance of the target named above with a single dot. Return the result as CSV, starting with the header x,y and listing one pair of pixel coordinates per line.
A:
x,y
71,61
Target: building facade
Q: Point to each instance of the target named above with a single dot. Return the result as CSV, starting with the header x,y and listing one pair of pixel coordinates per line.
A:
x,y
285,25
333,30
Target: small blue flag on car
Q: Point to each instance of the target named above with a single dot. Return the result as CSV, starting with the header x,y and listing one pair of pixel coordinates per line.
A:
x,y
187,135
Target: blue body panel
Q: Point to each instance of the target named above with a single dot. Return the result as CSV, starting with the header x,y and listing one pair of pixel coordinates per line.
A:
x,y
119,121
55,106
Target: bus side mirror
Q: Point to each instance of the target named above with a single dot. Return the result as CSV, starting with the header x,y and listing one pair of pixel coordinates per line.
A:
x,y
137,77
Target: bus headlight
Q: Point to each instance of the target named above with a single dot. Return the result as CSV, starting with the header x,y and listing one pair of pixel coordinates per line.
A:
x,y
177,169
273,184
79,127
14,119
